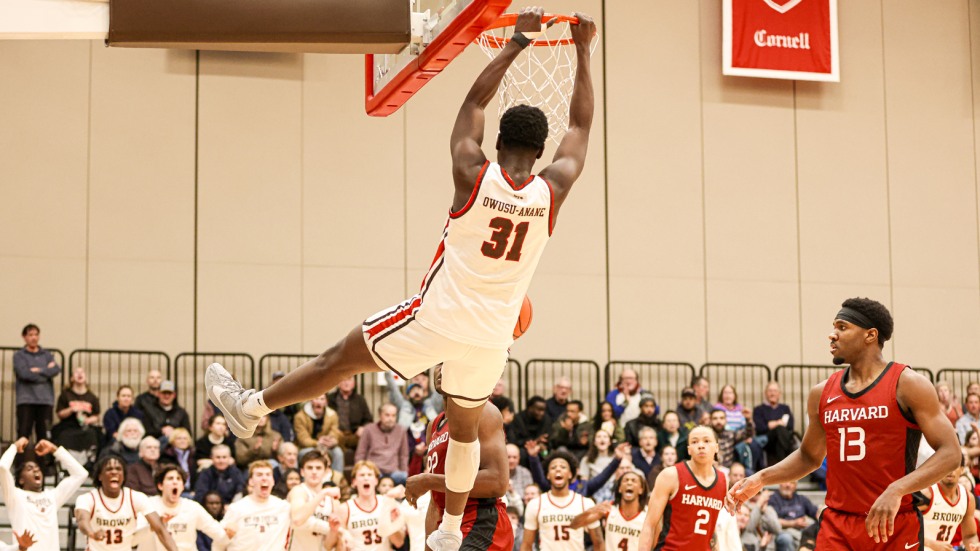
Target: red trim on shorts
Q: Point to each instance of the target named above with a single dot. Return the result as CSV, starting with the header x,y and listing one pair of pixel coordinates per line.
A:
x,y
393,318
476,190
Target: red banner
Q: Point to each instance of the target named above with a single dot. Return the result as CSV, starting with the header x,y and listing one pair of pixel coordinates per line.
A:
x,y
791,39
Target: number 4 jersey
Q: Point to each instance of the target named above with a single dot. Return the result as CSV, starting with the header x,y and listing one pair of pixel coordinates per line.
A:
x,y
870,441
490,248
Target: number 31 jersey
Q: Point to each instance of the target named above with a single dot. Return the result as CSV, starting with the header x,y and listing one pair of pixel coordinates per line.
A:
x,y
870,442
490,248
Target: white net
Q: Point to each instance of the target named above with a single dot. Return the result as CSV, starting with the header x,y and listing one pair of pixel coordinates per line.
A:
x,y
542,76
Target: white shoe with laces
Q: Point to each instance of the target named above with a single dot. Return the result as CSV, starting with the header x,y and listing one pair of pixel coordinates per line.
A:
x,y
444,541
229,396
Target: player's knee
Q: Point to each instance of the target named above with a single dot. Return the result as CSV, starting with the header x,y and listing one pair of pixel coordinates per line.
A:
x,y
462,463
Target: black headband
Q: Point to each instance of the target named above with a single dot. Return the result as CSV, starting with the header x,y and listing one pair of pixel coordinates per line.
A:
x,y
855,317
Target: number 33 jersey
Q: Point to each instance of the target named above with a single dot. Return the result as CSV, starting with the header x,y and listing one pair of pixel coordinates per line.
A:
x,y
870,441
490,248
552,517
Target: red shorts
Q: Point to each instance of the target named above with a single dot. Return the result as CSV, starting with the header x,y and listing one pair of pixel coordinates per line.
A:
x,y
487,527
840,530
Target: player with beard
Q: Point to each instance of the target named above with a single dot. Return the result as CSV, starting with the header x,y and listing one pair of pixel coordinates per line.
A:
x,y
107,514
372,522
485,522
624,516
950,507
686,498
311,505
552,513
260,520
867,420
31,507
183,517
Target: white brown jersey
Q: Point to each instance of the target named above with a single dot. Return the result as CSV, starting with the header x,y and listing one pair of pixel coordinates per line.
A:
x,y
114,517
490,248
552,518
309,536
622,532
258,525
363,525
943,517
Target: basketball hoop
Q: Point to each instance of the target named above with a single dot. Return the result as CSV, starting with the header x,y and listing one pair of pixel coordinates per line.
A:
x,y
545,76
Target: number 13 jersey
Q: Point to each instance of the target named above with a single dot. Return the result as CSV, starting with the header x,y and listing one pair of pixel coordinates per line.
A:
x,y
490,248
870,441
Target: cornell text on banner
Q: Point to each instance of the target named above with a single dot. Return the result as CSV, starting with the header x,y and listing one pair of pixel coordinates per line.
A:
x,y
790,39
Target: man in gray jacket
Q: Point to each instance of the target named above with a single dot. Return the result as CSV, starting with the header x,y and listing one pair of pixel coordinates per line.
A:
x,y
34,368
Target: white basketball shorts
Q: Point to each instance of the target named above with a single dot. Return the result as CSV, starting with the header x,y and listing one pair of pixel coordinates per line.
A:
x,y
400,344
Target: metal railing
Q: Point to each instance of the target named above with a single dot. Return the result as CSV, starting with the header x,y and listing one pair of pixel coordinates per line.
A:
x,y
748,380
664,379
959,378
188,376
8,396
107,370
540,376
796,382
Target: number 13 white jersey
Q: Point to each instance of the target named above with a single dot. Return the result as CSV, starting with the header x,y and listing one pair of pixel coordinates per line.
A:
x,y
490,248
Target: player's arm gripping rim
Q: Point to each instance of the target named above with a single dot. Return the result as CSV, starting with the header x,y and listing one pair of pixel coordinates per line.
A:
x,y
663,491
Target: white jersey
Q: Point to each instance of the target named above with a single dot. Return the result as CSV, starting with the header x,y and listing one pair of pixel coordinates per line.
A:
x,y
38,511
942,518
363,525
552,517
309,536
490,248
258,526
185,520
116,518
622,533
415,521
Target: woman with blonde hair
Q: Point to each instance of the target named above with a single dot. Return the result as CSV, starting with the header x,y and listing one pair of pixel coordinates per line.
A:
x,y
180,451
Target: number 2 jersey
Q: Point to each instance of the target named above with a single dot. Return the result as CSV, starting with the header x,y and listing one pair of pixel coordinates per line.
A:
x,y
870,441
690,516
490,248
552,517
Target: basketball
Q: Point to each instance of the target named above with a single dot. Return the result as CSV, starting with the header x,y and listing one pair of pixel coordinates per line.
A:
x,y
524,319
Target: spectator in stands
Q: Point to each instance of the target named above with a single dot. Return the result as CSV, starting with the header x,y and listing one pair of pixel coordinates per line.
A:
x,y
734,411
727,439
150,396
555,406
139,475
762,525
605,419
795,512
222,477
702,389
773,422
948,402
531,491
336,478
533,423
971,449
970,416
607,492
130,434
78,411
164,415
180,451
288,480
520,476
645,455
972,387
217,435
287,457
688,412
280,420
571,432
353,412
317,427
34,368
735,473
216,508
414,413
385,444
262,445
647,418
671,433
515,511
599,456
122,408
506,408
625,398
668,458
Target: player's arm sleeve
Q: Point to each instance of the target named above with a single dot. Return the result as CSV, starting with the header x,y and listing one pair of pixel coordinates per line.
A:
x,y
6,478
596,483
537,473
587,504
394,393
76,477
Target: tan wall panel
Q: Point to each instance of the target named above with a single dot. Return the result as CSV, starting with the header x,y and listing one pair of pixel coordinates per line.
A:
x,y
49,292
569,319
736,312
953,343
657,319
820,304
353,171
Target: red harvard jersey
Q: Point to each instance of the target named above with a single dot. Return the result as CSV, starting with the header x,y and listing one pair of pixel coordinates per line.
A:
x,y
690,516
435,461
870,441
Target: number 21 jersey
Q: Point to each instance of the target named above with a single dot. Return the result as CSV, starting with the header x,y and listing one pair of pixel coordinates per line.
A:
x,y
490,248
870,442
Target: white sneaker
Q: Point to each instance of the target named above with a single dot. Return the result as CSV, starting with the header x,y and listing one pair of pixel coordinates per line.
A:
x,y
229,395
444,541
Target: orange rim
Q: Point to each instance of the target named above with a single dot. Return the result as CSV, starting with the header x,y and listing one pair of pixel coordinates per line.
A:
x,y
510,19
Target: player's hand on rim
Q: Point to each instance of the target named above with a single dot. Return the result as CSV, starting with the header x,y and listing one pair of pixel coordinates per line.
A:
x,y
529,21
881,518
584,31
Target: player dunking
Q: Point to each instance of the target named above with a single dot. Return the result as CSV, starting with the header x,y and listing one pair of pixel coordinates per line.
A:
x,y
866,419
486,525
501,218
950,507
624,516
686,499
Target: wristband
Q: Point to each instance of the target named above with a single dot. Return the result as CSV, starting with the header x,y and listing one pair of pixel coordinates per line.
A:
x,y
521,40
